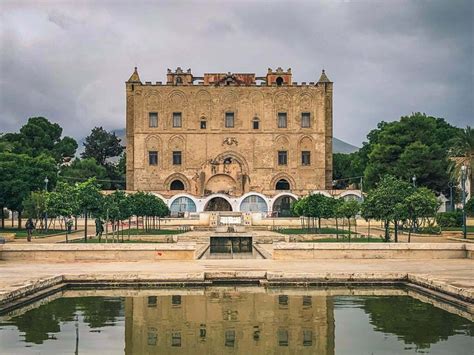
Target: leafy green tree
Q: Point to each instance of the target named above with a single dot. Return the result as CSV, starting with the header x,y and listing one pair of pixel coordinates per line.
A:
x,y
382,202
40,136
90,200
470,207
84,169
345,167
21,174
349,209
63,202
368,213
117,208
102,145
417,145
35,206
422,203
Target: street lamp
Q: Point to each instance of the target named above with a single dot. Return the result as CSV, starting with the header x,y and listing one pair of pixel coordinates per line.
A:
x,y
46,212
414,180
463,185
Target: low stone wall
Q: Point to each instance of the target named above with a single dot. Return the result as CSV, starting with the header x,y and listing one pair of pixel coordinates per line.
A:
x,y
299,251
99,252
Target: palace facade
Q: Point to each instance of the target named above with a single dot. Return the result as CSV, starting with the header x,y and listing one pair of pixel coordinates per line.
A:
x,y
229,141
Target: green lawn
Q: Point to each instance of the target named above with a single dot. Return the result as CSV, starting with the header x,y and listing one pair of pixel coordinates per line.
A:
x,y
134,231
125,240
312,231
346,240
21,232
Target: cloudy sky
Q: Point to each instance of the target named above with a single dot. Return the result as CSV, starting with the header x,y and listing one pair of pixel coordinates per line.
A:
x,y
68,61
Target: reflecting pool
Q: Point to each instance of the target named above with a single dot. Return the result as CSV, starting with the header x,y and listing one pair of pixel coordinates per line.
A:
x,y
243,320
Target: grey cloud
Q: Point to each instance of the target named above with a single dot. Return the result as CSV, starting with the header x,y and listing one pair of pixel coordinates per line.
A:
x,y
69,61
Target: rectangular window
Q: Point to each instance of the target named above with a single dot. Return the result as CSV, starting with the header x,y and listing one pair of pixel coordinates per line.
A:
x,y
282,120
203,124
177,158
177,121
153,157
152,337
176,300
307,301
230,338
305,157
282,337
307,338
229,120
153,119
176,339
283,300
282,157
152,300
306,120
256,124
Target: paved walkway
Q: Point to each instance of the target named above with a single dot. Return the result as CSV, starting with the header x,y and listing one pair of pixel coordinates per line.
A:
x,y
454,272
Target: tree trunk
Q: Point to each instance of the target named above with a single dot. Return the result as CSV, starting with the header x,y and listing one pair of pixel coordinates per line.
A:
x,y
75,223
3,216
129,226
85,226
396,231
409,231
159,222
19,219
337,230
319,224
387,235
349,225
368,231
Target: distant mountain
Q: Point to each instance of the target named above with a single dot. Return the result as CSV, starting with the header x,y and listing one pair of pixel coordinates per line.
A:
x,y
338,146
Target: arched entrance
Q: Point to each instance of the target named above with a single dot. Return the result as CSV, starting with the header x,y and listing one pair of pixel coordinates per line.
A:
x,y
282,206
218,204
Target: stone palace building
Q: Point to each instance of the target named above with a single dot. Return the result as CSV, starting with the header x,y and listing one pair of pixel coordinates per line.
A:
x,y
229,141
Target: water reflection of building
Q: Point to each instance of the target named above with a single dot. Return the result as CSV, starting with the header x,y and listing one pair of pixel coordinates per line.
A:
x,y
224,322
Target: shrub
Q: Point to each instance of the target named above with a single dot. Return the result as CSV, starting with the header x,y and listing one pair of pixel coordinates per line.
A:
x,y
449,219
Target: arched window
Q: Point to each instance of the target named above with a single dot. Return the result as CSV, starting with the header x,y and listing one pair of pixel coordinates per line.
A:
x,y
282,184
279,81
253,203
179,80
183,204
177,185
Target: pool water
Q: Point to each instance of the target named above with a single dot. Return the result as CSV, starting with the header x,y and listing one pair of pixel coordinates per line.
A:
x,y
222,320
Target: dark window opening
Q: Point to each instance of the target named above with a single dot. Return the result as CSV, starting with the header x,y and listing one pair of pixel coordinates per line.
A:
x,y
153,157
279,81
229,119
230,338
176,300
307,301
177,158
282,157
177,185
179,80
176,339
152,337
307,338
153,119
282,120
305,120
305,158
177,119
152,301
227,160
256,123
282,184
283,337
203,124
283,300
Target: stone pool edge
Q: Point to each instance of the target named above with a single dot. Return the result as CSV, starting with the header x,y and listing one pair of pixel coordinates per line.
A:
x,y
36,289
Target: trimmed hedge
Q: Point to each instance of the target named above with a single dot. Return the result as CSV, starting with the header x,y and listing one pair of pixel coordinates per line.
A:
x,y
449,219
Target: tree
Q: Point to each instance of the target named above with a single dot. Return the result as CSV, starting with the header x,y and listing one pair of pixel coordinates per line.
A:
x,y
422,203
102,145
84,169
63,202
470,207
90,200
382,202
21,174
117,208
35,206
345,167
417,145
368,213
40,136
349,209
